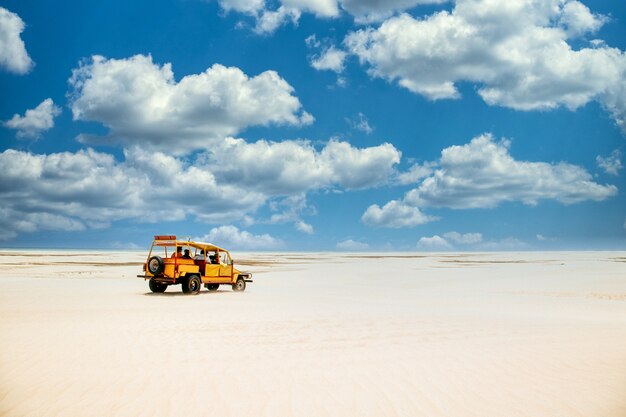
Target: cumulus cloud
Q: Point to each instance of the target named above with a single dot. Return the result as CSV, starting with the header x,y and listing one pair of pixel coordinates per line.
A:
x,y
35,121
233,238
415,173
366,11
433,243
270,16
395,214
142,104
483,174
13,55
330,59
294,166
92,189
517,52
611,164
352,245
71,191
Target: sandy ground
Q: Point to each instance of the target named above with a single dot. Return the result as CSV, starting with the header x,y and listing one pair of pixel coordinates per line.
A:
x,y
497,334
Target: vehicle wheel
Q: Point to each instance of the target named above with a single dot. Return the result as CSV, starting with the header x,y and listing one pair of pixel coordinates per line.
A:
x,y
192,284
212,287
156,286
240,285
155,265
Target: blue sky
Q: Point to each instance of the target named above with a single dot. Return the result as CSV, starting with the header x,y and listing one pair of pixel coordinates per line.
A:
x,y
314,124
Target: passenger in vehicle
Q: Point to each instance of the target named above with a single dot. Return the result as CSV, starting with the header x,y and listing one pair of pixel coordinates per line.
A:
x,y
215,259
199,256
178,253
186,255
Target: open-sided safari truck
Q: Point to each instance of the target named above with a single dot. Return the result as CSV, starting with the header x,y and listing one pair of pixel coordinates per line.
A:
x,y
191,264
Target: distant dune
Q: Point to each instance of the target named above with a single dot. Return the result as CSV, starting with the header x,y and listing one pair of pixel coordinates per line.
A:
x,y
346,334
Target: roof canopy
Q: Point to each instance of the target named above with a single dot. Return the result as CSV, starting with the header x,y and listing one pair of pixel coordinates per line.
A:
x,y
170,240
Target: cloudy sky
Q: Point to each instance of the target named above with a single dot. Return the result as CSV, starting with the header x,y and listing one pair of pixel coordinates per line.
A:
x,y
314,124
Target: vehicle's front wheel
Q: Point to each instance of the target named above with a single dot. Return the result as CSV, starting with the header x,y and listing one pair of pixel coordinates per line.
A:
x,y
156,286
212,287
239,285
192,284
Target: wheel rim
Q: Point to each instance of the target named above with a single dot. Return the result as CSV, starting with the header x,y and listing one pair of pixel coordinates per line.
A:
x,y
193,284
154,264
239,284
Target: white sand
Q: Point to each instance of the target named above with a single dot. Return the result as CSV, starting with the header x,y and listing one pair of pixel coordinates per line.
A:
x,y
502,335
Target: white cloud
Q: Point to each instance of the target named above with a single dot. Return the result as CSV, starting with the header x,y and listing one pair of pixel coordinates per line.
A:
x,y
464,239
415,173
142,104
71,191
35,121
234,239
395,214
242,6
93,189
576,19
433,243
321,8
270,16
289,167
483,174
303,227
352,245
515,51
270,20
611,164
361,123
13,55
330,59
365,11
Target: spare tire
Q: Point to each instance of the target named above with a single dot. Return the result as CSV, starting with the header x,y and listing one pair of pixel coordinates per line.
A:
x,y
155,265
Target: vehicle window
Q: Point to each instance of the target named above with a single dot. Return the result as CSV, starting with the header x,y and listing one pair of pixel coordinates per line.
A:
x,y
224,257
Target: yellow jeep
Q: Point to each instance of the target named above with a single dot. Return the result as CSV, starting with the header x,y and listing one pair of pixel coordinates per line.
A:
x,y
191,264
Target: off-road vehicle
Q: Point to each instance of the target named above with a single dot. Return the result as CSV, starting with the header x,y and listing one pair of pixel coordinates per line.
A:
x,y
191,264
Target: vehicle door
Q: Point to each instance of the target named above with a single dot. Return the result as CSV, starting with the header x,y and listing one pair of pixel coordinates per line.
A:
x,y
212,271
226,266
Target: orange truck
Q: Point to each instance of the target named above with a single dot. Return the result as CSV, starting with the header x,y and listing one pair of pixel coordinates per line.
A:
x,y
191,264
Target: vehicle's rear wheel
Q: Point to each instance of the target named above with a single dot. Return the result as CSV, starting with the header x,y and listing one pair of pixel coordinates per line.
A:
x,y
192,284
155,265
239,285
156,286
212,287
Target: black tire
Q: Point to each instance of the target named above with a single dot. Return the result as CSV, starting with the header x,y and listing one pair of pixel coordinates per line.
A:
x,y
212,287
239,285
191,284
155,265
156,286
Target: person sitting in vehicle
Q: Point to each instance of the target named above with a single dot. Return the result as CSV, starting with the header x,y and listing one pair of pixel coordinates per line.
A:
x,y
178,253
199,256
215,259
186,255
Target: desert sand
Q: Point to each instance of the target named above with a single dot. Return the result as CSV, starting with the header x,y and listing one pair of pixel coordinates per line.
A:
x,y
335,334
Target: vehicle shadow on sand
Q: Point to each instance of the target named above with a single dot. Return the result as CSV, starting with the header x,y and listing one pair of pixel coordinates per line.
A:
x,y
182,294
